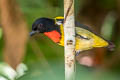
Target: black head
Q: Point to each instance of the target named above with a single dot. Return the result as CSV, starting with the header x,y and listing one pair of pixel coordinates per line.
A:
x,y
42,25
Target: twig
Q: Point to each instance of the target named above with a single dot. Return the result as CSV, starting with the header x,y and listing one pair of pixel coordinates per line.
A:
x,y
69,32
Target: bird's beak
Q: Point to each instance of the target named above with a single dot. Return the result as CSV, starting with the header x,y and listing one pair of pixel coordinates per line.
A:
x,y
32,33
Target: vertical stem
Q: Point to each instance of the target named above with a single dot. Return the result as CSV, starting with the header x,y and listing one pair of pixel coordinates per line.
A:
x,y
69,32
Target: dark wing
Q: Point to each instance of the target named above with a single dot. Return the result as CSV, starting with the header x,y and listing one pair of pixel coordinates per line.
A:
x,y
77,24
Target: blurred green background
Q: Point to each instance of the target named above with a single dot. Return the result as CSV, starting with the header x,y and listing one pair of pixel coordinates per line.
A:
x,y
45,59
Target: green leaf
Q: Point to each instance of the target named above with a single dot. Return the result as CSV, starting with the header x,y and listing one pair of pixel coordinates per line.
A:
x,y
0,33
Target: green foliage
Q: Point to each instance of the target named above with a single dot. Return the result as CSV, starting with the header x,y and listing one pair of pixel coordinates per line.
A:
x,y
34,9
108,25
108,4
0,33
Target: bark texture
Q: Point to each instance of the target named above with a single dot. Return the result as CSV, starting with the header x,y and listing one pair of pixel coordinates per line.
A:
x,y
69,32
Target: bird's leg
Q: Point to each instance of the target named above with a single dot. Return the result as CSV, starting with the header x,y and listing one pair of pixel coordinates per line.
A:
x,y
77,52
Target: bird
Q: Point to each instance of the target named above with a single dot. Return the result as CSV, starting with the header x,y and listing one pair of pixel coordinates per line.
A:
x,y
85,38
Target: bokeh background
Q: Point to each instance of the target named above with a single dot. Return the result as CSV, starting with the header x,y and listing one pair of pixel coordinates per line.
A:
x,y
45,59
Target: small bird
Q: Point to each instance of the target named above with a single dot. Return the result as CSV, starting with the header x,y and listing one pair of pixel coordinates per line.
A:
x,y
85,38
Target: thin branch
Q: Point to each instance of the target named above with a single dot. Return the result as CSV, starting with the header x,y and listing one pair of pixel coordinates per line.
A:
x,y
69,32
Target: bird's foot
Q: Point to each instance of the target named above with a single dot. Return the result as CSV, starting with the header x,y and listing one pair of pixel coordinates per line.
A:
x,y
77,52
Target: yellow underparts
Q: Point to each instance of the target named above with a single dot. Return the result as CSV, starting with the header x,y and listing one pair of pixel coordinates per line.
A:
x,y
62,36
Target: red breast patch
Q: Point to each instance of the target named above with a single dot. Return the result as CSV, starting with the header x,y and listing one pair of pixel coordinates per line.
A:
x,y
53,35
